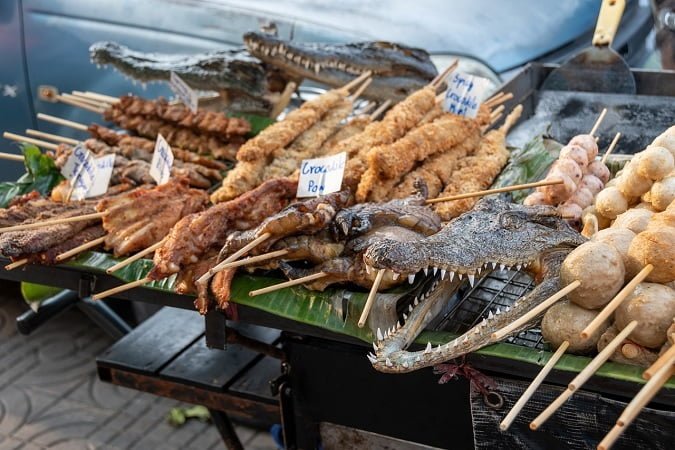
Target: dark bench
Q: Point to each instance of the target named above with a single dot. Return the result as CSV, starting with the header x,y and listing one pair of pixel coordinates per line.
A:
x,y
167,355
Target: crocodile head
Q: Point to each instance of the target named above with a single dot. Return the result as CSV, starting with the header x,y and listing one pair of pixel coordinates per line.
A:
x,y
397,70
494,235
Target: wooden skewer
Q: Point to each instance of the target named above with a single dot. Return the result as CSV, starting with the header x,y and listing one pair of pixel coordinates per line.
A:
x,y
11,157
493,98
135,257
234,256
105,98
122,288
39,143
94,98
440,78
79,104
17,263
497,112
617,136
382,108
52,137
79,249
500,100
45,223
60,121
515,187
357,93
531,389
636,405
583,376
86,100
284,99
285,284
534,312
368,108
615,302
597,123
348,87
649,373
255,259
371,297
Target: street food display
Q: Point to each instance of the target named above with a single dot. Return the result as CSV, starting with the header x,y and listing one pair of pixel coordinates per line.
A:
x,y
414,210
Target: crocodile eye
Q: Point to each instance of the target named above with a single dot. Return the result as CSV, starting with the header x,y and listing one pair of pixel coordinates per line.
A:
x,y
512,221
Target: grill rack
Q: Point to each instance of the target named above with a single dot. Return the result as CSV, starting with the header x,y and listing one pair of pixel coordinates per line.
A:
x,y
497,289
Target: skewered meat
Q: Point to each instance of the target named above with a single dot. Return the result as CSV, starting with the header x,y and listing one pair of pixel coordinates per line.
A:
x,y
653,306
195,234
142,217
203,121
599,268
35,210
656,246
123,141
308,217
575,153
662,193
610,202
654,163
48,257
355,126
588,143
628,352
565,321
620,239
635,219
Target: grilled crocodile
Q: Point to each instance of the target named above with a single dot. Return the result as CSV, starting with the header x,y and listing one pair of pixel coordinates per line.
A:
x,y
495,235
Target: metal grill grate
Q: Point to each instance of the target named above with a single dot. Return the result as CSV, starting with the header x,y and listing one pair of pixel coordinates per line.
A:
x,y
498,289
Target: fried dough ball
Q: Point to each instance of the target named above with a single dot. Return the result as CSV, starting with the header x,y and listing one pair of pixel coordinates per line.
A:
x,y
572,213
588,143
565,321
592,183
655,163
656,246
610,202
576,154
632,184
600,170
662,193
620,239
653,306
599,268
582,197
667,141
635,219
535,198
569,168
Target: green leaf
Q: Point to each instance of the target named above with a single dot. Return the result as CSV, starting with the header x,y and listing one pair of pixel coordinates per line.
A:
x,y
32,292
41,175
258,123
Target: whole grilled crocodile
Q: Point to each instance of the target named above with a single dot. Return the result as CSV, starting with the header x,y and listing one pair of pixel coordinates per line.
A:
x,y
249,78
494,235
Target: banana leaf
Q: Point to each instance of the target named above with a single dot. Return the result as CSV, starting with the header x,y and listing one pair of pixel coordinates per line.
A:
x,y
258,123
328,311
41,175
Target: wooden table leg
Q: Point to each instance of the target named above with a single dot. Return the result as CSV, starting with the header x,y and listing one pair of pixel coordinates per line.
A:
x,y
226,430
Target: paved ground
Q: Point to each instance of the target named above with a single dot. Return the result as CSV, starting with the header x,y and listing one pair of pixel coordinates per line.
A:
x,y
51,398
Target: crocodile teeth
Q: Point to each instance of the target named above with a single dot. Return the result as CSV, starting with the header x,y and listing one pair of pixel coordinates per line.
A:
x,y
438,349
443,271
398,325
455,343
395,276
519,266
477,330
426,271
386,334
508,308
379,334
410,308
460,276
405,365
494,265
502,267
490,315
388,362
435,270
372,358
375,346
478,270
498,312
411,278
471,279
405,316
428,349
416,302
369,269
452,275
317,68
418,359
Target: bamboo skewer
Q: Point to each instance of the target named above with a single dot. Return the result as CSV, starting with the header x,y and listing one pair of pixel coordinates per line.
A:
x,y
371,297
102,97
254,259
636,405
494,98
122,288
87,101
285,284
515,187
531,389
79,104
382,108
368,108
45,223
79,249
52,137
17,263
135,257
440,78
498,101
284,99
357,93
496,113
534,312
92,98
60,121
38,142
615,302
610,149
11,157
583,376
597,123
234,256
355,82
660,362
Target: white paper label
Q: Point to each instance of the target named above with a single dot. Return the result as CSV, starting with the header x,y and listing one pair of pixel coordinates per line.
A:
x,y
104,169
465,93
80,170
184,92
162,161
321,176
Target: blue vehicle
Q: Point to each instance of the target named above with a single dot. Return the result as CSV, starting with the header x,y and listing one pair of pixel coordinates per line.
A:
x,y
45,42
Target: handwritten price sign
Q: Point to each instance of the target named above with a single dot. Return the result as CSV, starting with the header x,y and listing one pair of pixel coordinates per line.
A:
x,y
89,176
162,161
320,176
465,93
184,92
